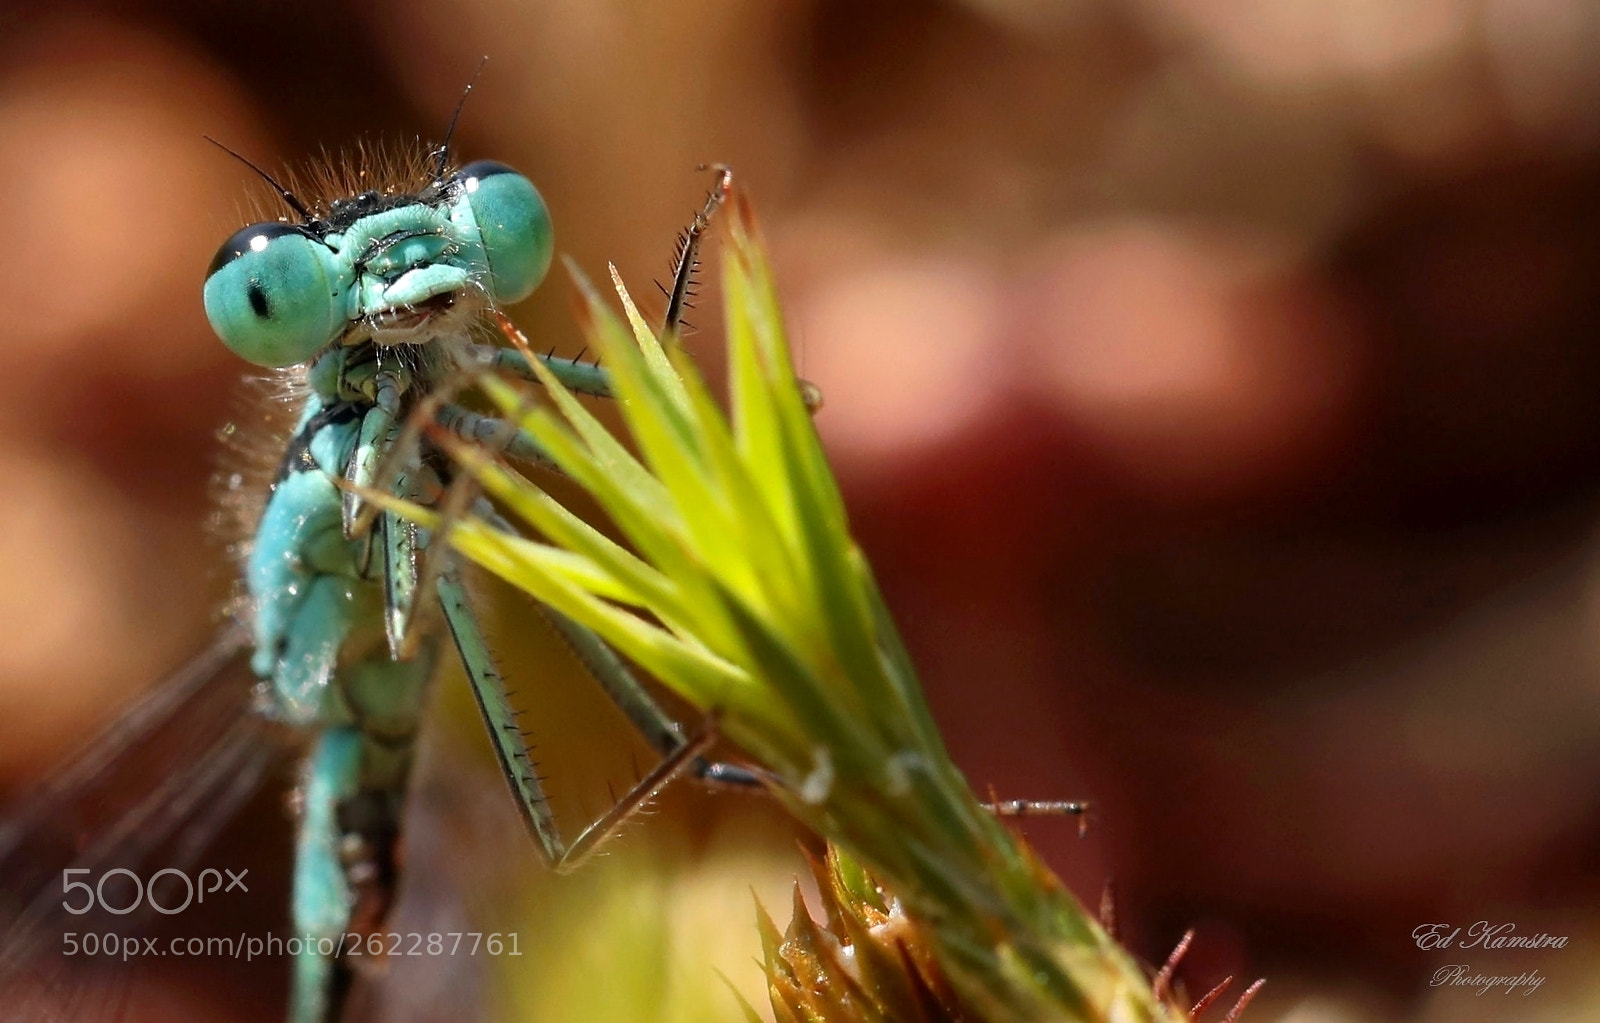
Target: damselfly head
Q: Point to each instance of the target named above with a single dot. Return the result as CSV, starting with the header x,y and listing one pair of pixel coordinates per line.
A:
x,y
379,264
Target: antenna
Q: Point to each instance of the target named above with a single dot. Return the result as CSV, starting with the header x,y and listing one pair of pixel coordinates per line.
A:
x,y
449,133
283,193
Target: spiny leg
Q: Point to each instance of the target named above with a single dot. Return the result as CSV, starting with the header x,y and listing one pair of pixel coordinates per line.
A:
x,y
504,437
434,547
404,543
488,689
1012,808
688,259
654,724
578,376
415,557
410,561
657,727
511,747
591,378
636,798
664,735
392,461
396,463
401,542
496,435
1037,808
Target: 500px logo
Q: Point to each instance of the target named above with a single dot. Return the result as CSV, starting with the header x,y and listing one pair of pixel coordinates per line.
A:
x,y
125,896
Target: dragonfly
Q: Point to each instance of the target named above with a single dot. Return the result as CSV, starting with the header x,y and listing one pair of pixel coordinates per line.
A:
x,y
371,306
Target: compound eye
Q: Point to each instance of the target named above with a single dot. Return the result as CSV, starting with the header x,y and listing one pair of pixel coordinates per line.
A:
x,y
271,297
514,224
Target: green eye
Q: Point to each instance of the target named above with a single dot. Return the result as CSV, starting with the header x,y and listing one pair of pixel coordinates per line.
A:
x,y
271,296
514,223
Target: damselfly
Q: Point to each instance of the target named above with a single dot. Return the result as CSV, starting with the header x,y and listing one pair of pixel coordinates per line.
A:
x,y
369,304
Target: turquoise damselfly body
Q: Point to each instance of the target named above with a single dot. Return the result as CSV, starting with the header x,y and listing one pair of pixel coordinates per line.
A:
x,y
376,304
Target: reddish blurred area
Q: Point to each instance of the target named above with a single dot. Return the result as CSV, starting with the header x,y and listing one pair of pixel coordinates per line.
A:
x,y
1213,386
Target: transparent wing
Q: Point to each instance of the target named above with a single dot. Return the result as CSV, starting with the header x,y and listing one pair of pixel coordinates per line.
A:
x,y
146,796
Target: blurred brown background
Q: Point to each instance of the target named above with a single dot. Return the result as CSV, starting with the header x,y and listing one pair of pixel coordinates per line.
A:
x,y
1213,384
